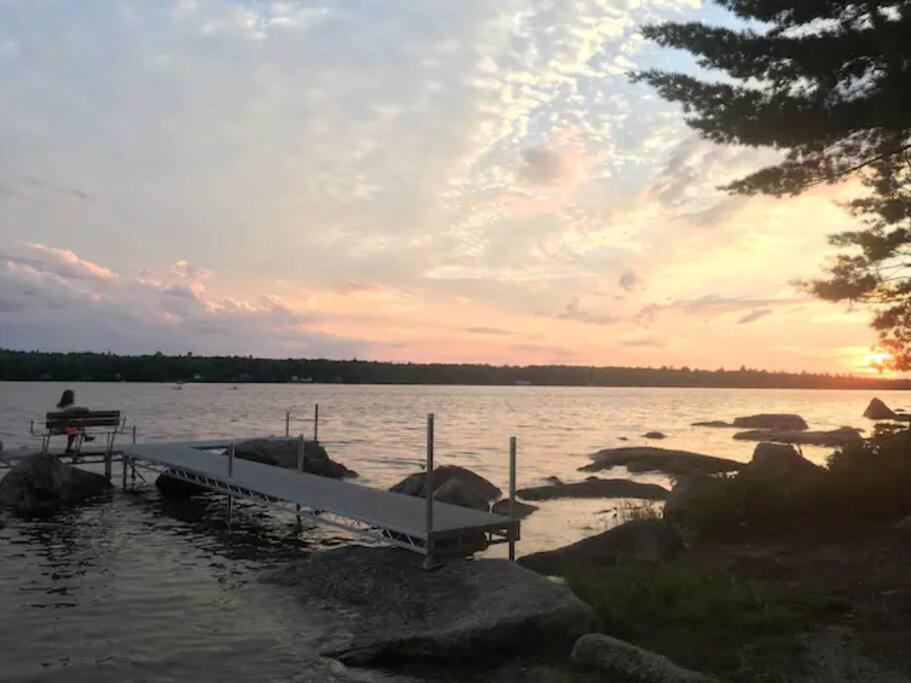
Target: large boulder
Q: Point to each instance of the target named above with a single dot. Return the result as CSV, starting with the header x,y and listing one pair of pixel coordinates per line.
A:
x,y
476,485
648,458
623,661
283,453
42,483
842,436
457,492
779,462
687,495
644,540
772,421
377,606
596,488
877,410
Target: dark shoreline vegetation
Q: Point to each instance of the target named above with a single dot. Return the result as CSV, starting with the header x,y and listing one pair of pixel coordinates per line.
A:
x,y
158,367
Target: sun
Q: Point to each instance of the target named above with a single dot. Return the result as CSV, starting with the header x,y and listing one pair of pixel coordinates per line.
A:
x,y
877,362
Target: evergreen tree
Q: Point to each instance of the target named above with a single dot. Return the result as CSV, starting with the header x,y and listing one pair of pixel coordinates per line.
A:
x,y
829,83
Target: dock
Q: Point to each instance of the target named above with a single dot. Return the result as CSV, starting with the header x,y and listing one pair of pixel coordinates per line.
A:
x,y
422,525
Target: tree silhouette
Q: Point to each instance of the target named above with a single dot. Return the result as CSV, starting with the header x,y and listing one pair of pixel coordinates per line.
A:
x,y
829,82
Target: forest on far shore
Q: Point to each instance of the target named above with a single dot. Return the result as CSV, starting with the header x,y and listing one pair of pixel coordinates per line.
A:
x,y
157,367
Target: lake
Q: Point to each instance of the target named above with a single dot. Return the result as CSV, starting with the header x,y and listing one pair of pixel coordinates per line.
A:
x,y
139,587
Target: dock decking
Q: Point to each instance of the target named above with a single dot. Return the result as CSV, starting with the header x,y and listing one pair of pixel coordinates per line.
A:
x,y
391,517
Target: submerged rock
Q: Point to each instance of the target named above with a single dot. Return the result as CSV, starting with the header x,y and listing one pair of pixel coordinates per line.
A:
x,y
283,453
520,509
712,423
624,661
836,437
646,540
772,421
173,487
654,435
877,410
376,606
648,458
476,485
593,487
41,483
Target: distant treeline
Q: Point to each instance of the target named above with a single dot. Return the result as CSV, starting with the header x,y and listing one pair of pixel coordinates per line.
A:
x,y
107,367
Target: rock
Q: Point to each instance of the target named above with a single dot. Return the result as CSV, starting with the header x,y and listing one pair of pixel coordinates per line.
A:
x,y
377,606
42,483
283,453
877,410
623,661
593,487
646,540
555,481
172,487
456,491
772,421
648,458
836,437
904,525
654,435
415,484
687,491
712,423
776,461
622,438
520,509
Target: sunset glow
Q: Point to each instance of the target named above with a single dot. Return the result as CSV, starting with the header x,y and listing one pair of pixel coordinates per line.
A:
x,y
461,182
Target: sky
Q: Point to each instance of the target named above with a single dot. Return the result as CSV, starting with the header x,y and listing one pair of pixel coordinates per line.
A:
x,y
402,180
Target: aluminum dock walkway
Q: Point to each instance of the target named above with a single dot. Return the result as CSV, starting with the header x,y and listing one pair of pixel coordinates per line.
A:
x,y
430,529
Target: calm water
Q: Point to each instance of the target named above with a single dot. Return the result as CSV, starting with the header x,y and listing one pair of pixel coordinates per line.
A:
x,y
136,588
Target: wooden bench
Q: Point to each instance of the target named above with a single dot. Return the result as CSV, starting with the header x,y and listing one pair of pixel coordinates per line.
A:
x,y
107,423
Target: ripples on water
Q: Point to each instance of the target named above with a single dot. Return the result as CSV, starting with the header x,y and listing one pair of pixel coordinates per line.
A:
x,y
133,587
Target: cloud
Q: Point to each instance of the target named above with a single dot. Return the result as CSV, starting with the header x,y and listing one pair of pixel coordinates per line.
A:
x,y
187,270
643,342
487,330
53,299
713,305
755,315
628,280
541,165
573,311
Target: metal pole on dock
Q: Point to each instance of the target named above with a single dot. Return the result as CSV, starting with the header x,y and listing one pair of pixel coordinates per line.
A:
x,y
230,477
316,422
300,467
287,424
512,495
132,465
428,482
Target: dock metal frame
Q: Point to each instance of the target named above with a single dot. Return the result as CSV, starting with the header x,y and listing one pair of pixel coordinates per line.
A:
x,y
431,528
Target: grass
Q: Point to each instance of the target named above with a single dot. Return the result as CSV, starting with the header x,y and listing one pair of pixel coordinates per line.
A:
x,y
714,622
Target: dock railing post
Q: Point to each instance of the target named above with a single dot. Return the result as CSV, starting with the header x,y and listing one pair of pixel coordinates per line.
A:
x,y
316,422
287,424
512,496
132,464
230,477
428,483
300,468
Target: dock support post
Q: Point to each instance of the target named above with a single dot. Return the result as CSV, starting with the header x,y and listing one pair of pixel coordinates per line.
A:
x,y
429,561
132,464
287,424
230,477
316,422
512,496
300,468
108,456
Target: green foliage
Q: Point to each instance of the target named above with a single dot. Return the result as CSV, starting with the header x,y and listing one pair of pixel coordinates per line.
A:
x,y
699,619
829,82
865,483
69,367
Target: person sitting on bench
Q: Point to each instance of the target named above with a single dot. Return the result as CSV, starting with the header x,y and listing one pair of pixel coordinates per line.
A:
x,y
67,404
